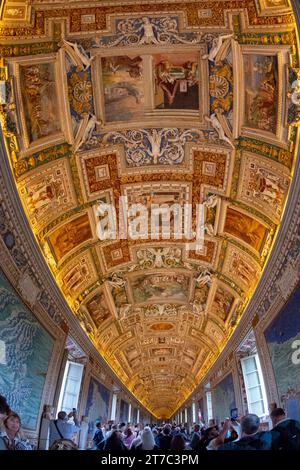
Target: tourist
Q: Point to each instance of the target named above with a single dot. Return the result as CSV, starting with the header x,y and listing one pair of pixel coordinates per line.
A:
x,y
11,436
61,428
286,432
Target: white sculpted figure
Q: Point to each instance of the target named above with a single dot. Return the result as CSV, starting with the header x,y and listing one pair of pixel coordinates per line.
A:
x,y
148,36
204,278
218,127
124,310
198,308
86,130
155,139
295,96
211,201
209,229
116,281
77,54
216,46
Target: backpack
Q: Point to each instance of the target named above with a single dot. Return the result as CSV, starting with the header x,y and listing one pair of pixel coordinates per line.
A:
x,y
286,436
259,441
253,444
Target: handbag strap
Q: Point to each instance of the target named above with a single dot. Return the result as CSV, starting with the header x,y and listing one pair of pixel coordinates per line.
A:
x,y
60,434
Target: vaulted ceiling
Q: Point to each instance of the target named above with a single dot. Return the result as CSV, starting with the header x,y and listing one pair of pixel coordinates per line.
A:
x,y
172,103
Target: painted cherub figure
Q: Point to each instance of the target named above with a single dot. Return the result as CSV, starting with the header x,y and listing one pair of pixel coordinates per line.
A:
x,y
148,32
89,124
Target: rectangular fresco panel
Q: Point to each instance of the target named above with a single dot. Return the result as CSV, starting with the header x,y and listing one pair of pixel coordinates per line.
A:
x,y
281,337
246,228
48,194
261,92
176,81
171,286
98,308
25,353
122,78
222,303
263,184
97,406
70,235
40,101
223,398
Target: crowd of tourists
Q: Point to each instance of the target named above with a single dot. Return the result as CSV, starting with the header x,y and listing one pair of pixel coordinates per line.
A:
x,y
243,433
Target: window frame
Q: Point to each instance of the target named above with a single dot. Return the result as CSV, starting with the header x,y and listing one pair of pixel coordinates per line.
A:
x,y
261,384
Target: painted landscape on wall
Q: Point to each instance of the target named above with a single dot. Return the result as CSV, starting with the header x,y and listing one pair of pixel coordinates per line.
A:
x,y
97,406
223,398
281,336
25,353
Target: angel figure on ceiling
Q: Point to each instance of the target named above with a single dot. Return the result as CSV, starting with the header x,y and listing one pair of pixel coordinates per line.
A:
x,y
214,121
216,46
77,54
85,131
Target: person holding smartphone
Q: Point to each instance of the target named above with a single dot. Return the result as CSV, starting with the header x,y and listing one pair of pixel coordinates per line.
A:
x,y
62,428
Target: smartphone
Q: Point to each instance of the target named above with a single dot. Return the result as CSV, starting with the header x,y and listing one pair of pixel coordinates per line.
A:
x,y
233,414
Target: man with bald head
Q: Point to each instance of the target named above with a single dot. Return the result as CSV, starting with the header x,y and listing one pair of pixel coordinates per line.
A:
x,y
251,437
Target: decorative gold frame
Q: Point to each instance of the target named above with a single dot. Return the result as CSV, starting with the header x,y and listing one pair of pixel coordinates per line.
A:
x,y
221,224
185,118
280,137
27,147
283,8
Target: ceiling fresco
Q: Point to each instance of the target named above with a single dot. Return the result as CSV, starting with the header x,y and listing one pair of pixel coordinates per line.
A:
x,y
183,102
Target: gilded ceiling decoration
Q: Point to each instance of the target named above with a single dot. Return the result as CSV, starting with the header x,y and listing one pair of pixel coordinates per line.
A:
x,y
175,103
